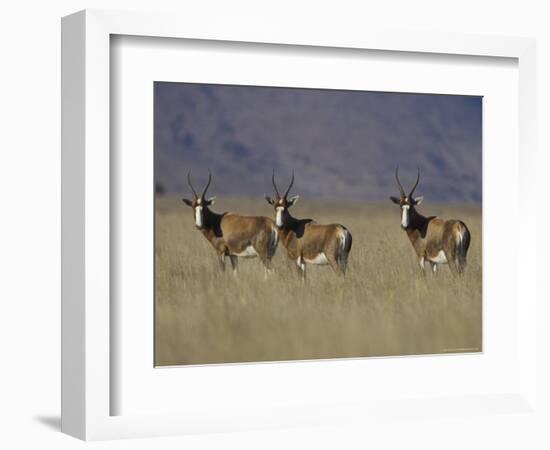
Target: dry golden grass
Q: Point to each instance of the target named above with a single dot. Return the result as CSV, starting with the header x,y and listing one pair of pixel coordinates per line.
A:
x,y
383,307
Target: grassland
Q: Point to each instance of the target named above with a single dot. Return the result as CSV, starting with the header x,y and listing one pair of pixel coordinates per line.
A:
x,y
382,307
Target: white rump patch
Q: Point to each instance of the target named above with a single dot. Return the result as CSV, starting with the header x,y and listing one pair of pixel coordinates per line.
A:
x,y
343,237
249,252
440,258
198,216
320,259
279,216
405,216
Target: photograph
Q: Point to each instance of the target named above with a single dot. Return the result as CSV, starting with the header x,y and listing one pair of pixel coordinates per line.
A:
x,y
297,224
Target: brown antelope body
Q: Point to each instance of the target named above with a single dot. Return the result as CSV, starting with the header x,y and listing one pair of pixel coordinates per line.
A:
x,y
434,240
233,235
307,242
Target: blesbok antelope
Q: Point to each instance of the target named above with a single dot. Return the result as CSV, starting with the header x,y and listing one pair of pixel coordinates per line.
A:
x,y
436,240
307,242
230,234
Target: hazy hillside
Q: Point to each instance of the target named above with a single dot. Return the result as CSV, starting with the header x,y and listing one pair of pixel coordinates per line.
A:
x,y
340,143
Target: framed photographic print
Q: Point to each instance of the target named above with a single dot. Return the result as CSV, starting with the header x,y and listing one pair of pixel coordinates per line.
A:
x,y
266,228
366,293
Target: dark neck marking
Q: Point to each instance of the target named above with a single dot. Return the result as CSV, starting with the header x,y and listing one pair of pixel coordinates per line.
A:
x,y
418,222
212,221
297,226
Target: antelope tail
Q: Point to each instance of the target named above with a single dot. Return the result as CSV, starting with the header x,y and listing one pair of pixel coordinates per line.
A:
x,y
273,240
344,249
462,238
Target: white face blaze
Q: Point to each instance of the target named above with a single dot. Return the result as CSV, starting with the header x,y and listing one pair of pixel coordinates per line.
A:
x,y
279,216
198,216
405,216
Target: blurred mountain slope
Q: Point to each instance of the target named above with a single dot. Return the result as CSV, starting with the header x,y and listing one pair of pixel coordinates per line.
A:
x,y
341,144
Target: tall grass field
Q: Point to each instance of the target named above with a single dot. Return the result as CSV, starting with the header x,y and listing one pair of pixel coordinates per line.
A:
x,y
383,306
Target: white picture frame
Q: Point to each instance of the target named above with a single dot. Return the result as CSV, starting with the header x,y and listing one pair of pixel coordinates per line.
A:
x,y
86,326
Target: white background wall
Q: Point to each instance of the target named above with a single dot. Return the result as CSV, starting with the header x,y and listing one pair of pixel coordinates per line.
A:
x,y
30,200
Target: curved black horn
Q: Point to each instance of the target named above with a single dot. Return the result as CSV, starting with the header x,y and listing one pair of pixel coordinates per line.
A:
x,y
415,184
190,185
207,184
401,190
274,185
291,183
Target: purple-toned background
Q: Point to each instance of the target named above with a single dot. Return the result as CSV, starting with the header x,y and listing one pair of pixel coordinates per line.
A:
x,y
341,144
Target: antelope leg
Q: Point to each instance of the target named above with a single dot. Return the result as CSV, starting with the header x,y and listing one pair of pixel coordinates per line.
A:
x,y
335,265
421,263
234,263
221,260
301,267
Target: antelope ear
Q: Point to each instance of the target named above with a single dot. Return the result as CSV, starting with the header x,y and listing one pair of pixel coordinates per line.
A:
x,y
269,199
187,202
293,200
395,200
210,201
418,200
